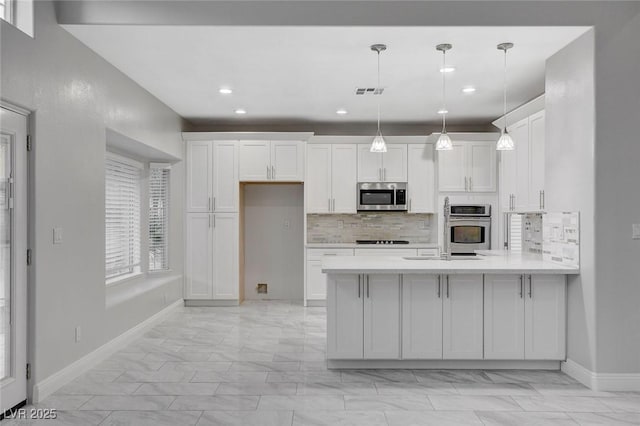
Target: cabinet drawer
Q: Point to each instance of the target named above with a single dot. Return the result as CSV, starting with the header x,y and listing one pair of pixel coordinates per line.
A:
x,y
385,252
319,253
428,252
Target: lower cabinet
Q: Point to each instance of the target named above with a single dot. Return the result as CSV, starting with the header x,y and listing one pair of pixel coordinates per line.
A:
x,y
462,317
524,317
421,316
363,317
316,280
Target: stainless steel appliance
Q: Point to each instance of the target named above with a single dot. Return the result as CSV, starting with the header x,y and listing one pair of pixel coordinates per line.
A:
x,y
469,228
382,196
386,242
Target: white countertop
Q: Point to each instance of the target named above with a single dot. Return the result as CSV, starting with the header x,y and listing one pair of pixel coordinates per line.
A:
x,y
500,264
372,246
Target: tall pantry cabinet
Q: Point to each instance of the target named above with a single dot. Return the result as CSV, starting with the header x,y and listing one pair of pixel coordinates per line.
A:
x,y
212,221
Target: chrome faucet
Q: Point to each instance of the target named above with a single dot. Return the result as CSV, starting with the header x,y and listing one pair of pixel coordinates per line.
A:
x,y
446,243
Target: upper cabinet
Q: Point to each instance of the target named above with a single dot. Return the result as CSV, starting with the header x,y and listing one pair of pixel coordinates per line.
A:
x,y
271,161
331,178
421,178
212,176
390,166
522,170
468,167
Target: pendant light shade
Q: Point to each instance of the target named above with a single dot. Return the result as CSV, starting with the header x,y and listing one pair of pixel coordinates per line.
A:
x,y
444,141
505,143
378,144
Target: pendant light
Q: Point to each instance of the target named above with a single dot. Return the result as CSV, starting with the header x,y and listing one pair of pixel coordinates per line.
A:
x,y
444,141
505,143
378,144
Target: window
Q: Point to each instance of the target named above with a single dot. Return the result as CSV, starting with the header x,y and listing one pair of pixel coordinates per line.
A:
x,y
159,217
6,10
122,217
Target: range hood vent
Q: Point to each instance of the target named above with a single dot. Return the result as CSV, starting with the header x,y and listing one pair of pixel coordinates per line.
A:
x,y
369,90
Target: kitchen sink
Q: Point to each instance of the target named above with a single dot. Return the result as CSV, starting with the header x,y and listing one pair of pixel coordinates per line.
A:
x,y
438,258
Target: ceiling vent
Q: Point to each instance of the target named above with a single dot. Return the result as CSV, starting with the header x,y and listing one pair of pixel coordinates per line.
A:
x,y
369,90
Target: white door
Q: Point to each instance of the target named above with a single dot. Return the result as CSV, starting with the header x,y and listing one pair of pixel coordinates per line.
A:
x,y
421,317
225,256
382,316
369,164
199,256
482,166
13,262
344,178
254,161
421,183
520,134
536,161
344,316
452,169
462,317
545,313
225,176
287,161
503,317
317,183
199,177
394,163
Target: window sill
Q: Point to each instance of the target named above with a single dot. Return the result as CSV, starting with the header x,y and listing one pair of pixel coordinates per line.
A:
x,y
123,279
126,290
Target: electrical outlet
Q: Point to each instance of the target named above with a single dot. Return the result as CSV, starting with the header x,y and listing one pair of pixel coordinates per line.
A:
x,y
78,334
57,235
340,224
635,231
287,224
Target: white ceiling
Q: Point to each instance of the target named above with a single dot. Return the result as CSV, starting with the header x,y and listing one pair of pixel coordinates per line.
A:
x,y
307,73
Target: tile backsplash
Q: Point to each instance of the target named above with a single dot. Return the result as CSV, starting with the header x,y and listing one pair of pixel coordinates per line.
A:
x,y
347,228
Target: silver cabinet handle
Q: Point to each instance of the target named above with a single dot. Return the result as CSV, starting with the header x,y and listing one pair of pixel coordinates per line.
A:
x,y
214,220
465,184
367,286
542,199
329,203
384,174
268,173
209,220
409,204
359,279
530,288
273,172
380,173
447,286
439,277
521,286
333,204
214,203
209,204
470,183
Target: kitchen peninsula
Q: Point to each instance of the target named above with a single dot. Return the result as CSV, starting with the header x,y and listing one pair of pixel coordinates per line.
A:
x,y
408,312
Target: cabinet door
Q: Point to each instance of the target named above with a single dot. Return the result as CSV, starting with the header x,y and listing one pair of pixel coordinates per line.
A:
x,y
225,256
225,176
462,317
199,178
508,177
287,161
536,161
394,163
421,183
344,178
520,135
382,317
369,164
318,180
395,252
316,280
198,256
254,160
344,317
482,166
503,317
545,313
421,317
452,168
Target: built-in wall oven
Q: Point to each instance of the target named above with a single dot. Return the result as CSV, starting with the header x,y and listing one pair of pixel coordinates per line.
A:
x,y
382,196
470,228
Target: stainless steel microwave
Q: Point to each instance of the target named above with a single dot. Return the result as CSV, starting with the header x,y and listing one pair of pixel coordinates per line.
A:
x,y
382,196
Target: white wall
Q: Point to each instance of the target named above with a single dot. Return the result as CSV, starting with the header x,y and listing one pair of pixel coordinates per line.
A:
x,y
274,254
570,179
76,95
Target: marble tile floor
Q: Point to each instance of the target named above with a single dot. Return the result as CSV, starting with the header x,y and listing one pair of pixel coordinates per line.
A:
x,y
262,363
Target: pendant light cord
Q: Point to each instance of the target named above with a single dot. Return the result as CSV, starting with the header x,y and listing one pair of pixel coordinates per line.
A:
x,y
379,94
504,100
444,93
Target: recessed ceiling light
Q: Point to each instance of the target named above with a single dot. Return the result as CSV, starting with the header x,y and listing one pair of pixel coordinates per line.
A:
x,y
225,91
447,69
241,111
443,111
468,89
341,111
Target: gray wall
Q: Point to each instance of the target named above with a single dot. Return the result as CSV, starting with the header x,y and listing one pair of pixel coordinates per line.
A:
x,y
570,178
274,254
76,95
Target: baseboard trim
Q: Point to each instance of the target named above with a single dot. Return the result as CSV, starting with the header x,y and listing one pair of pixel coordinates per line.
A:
x,y
446,364
602,381
54,382
194,303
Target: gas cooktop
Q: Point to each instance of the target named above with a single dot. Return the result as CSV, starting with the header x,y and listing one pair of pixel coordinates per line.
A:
x,y
382,242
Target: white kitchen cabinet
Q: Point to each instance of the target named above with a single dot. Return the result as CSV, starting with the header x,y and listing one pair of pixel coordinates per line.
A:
x,y
421,185
462,317
421,316
271,161
545,317
225,256
385,251
536,160
331,178
390,166
345,317
225,176
381,316
316,280
198,256
199,157
468,167
504,330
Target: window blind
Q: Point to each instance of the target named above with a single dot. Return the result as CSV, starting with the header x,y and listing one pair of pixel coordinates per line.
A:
x,y
159,217
122,216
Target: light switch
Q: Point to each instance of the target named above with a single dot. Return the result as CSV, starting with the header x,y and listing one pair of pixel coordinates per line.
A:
x,y
287,224
57,235
635,231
